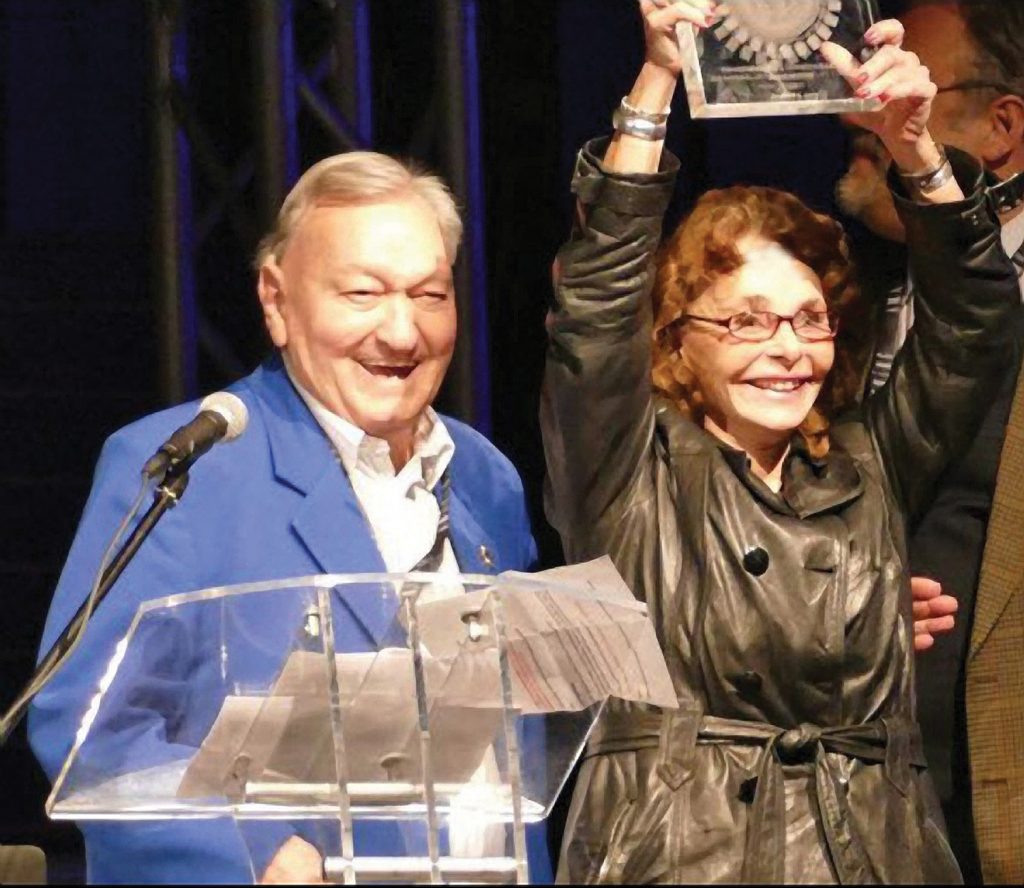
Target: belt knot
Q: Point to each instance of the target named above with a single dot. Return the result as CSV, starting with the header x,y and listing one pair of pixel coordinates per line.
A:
x,y
797,744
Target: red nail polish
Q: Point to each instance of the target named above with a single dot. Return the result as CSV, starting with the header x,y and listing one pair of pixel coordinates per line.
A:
x,y
883,97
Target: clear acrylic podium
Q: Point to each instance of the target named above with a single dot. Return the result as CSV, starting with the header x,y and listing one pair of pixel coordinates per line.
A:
x,y
446,710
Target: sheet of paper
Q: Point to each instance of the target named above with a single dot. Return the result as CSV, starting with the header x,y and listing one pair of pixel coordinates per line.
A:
x,y
567,650
598,579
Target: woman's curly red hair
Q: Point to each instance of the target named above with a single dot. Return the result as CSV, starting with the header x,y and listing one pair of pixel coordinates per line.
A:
x,y
704,247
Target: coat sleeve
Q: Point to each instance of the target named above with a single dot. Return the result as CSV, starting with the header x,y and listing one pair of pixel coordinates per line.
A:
x,y
597,412
967,316
139,728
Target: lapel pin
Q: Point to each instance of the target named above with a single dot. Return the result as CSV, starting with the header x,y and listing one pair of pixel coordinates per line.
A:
x,y
485,556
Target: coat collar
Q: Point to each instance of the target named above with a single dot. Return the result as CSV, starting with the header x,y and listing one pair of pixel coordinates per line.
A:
x,y
300,451
809,486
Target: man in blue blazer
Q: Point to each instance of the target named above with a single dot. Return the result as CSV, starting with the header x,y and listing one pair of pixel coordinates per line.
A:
x,y
339,470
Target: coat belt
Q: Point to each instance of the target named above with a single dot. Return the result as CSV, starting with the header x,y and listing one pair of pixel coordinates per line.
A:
x,y
894,742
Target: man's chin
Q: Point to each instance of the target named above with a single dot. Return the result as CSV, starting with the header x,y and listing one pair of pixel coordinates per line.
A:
x,y
387,420
382,424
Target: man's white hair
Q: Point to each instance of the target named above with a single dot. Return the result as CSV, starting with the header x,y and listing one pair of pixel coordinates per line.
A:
x,y
361,177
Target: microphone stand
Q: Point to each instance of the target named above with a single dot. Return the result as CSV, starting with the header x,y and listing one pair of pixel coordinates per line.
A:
x,y
165,497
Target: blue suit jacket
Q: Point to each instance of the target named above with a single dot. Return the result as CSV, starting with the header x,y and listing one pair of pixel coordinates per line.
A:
x,y
271,505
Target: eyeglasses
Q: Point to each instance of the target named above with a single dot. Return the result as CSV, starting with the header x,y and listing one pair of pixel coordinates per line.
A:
x,y
759,326
964,85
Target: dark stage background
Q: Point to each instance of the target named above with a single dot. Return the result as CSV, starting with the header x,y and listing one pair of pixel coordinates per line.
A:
x,y
78,354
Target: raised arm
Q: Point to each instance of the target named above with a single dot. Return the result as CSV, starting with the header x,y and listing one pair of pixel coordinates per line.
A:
x,y
656,83
903,85
966,310
596,408
966,291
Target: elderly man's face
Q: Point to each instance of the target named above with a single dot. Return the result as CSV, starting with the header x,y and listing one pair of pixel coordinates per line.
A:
x,y
363,307
937,33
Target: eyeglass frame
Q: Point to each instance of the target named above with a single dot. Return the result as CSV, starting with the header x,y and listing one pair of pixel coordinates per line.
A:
x,y
965,85
833,324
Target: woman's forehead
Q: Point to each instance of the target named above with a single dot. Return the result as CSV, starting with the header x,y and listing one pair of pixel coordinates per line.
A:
x,y
770,279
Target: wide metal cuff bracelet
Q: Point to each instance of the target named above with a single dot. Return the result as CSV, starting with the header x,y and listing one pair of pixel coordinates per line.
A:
x,y
638,127
930,180
632,111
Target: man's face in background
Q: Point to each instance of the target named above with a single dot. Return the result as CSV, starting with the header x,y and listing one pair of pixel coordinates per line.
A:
x,y
938,34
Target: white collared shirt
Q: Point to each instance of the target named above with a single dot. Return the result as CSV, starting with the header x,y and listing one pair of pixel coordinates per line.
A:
x,y
1012,234
399,506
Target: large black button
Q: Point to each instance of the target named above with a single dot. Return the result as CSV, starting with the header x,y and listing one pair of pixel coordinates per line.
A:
x,y
755,561
748,683
748,789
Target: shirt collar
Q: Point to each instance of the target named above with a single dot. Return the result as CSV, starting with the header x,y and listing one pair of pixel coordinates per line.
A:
x,y
1013,234
433,447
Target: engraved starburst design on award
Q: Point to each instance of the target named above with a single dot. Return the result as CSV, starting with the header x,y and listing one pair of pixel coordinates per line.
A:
x,y
769,30
763,58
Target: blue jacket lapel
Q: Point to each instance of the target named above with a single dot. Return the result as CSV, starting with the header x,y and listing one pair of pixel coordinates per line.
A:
x,y
329,521
474,549
332,526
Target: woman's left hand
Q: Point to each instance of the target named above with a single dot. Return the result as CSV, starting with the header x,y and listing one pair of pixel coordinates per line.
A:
x,y
897,79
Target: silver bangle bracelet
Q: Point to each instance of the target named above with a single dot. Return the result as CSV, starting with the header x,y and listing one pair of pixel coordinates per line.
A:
x,y
933,182
638,127
652,116
933,179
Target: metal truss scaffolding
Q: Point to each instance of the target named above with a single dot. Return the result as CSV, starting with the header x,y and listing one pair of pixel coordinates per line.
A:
x,y
293,88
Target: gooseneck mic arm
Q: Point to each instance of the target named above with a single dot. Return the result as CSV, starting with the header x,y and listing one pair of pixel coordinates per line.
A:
x,y
222,416
187,444
165,497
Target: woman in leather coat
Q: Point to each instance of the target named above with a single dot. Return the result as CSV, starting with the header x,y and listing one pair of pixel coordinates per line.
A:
x,y
762,523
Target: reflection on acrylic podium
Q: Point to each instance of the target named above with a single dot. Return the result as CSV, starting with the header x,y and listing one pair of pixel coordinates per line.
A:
x,y
447,709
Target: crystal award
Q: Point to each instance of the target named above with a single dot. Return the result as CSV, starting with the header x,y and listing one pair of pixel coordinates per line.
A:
x,y
762,58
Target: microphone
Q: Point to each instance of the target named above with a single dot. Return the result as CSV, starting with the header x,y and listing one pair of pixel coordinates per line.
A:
x,y
221,417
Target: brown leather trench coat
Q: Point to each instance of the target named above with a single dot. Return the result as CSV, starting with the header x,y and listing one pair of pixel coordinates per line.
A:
x,y
784,617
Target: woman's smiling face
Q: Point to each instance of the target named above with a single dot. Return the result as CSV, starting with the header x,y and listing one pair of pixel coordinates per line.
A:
x,y
758,391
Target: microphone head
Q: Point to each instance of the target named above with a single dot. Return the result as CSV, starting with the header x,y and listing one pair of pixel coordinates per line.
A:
x,y
231,408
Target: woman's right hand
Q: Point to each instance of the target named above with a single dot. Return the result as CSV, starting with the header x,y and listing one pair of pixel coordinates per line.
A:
x,y
660,20
656,83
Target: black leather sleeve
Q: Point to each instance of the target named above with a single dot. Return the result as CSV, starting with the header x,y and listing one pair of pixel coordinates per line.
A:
x,y
966,311
596,408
